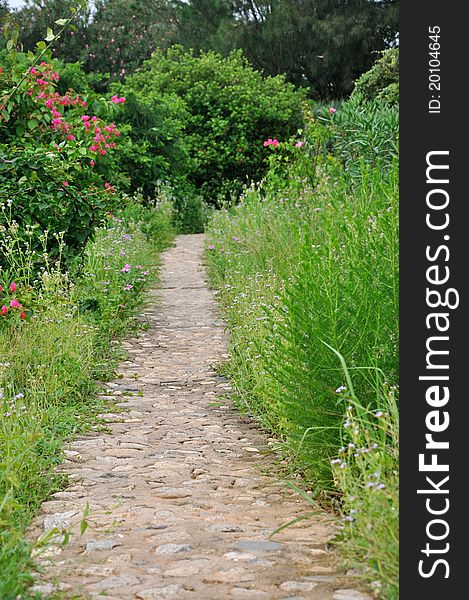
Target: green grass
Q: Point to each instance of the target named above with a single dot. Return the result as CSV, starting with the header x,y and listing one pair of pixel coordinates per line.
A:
x,y
50,364
307,271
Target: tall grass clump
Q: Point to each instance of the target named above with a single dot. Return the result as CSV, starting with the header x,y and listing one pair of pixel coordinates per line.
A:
x,y
56,329
306,267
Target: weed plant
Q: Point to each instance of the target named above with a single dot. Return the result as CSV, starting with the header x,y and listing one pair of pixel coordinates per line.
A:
x,y
51,359
307,276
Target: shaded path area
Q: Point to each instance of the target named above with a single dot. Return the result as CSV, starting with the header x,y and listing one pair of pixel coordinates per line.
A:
x,y
180,505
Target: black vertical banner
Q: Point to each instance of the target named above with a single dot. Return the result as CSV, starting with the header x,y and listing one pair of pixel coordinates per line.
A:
x,y
434,341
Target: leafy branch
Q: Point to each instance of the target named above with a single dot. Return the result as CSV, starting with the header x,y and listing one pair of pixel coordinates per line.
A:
x,y
42,46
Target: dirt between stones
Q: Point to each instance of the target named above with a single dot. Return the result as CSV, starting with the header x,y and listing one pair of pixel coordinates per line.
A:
x,y
180,505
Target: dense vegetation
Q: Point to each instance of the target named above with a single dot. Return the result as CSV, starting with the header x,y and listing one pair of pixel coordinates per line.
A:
x,y
306,265
103,160
323,45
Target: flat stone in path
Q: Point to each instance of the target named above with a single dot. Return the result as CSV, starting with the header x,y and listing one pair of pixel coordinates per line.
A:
x,y
179,505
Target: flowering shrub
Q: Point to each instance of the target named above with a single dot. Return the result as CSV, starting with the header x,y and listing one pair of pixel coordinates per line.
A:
x,y
53,148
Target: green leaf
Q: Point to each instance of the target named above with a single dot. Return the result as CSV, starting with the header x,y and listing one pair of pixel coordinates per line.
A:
x,y
50,35
61,22
41,45
32,123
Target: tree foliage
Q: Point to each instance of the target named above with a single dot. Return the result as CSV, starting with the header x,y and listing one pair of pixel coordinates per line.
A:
x,y
324,45
229,110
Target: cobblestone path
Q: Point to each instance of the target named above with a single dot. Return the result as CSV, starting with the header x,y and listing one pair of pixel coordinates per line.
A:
x,y
181,507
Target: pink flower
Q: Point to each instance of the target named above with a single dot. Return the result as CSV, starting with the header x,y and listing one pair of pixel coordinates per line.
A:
x,y
3,310
23,315
128,287
70,137
116,99
211,247
14,303
103,152
271,142
332,110
92,163
33,71
107,185
94,118
299,144
65,183
85,118
13,286
126,268
50,102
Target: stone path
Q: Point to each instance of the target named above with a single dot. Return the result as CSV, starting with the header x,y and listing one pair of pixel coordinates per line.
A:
x,y
180,507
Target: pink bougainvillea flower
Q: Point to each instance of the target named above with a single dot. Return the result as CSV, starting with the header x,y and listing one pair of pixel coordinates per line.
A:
x,y
299,144
33,71
13,286
3,310
71,137
14,303
126,268
23,315
271,142
267,142
128,286
85,118
107,185
92,163
65,183
332,110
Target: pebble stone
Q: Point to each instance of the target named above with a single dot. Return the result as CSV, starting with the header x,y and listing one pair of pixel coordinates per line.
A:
x,y
180,503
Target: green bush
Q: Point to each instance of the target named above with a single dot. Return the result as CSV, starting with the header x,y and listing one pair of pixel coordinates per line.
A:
x,y
382,80
363,133
229,110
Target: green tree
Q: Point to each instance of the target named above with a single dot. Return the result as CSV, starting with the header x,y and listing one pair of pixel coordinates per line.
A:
x,y
322,44
37,15
123,33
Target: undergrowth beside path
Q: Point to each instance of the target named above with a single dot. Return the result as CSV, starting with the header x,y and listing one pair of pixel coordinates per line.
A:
x,y
52,359
306,268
